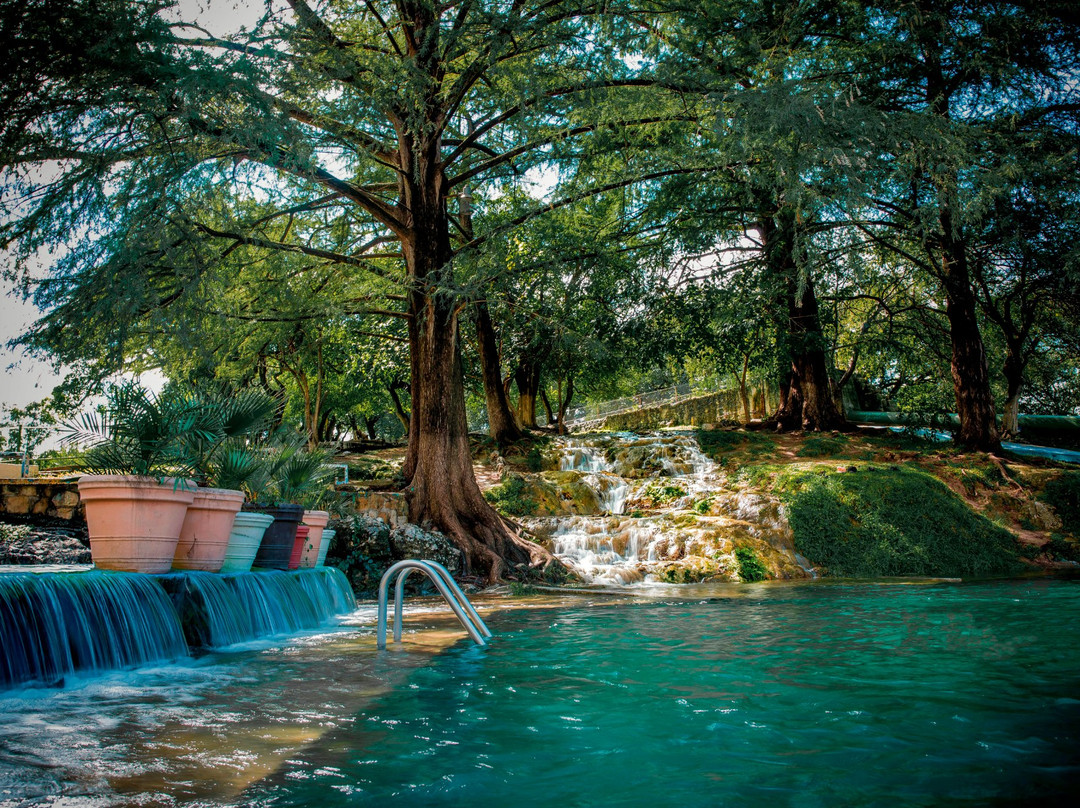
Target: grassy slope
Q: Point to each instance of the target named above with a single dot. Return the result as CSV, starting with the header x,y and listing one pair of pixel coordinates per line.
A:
x,y
878,505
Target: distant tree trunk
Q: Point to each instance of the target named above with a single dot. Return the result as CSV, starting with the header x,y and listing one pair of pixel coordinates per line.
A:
x,y
806,398
564,403
971,378
548,408
501,424
527,379
370,424
744,394
399,410
1014,384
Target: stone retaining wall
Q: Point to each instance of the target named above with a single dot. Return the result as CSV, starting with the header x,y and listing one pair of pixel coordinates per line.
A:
x,y
55,498
389,506
708,409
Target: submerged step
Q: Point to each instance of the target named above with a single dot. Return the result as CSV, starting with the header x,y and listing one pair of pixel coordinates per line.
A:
x,y
53,624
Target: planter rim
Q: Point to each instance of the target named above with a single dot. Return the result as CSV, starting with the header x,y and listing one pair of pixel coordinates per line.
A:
x,y
316,518
218,497
253,518
137,479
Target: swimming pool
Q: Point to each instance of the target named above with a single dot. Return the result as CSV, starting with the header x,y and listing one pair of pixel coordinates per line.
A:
x,y
808,694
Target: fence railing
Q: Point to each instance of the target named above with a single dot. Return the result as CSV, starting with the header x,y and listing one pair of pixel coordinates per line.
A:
x,y
664,395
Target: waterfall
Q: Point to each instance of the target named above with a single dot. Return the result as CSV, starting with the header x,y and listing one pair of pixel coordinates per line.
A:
x,y
52,625
57,623
611,490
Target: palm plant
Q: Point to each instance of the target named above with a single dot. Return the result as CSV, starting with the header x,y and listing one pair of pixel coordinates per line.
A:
x,y
137,432
229,422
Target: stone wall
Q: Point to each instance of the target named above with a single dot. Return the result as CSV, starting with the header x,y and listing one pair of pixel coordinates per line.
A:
x,y
698,411
389,506
54,498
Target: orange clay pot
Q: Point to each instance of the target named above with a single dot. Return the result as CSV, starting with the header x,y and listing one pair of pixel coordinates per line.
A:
x,y
134,522
204,538
317,521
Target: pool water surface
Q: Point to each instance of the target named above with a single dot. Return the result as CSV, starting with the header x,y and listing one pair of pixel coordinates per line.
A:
x,y
819,694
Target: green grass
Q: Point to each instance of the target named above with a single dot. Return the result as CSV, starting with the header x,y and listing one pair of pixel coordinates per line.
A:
x,y
823,446
884,521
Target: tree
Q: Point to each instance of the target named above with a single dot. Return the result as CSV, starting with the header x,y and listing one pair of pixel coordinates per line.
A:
x,y
953,77
368,120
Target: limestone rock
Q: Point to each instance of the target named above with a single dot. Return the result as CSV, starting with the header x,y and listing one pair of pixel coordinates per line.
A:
x,y
412,541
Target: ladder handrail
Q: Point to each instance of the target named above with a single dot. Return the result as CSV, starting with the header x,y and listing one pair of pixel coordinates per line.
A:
x,y
448,579
403,568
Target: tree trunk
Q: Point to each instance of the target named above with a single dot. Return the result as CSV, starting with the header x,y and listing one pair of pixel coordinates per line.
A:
x,y
399,410
370,423
527,378
548,408
1014,383
744,394
808,402
501,424
971,379
564,403
442,488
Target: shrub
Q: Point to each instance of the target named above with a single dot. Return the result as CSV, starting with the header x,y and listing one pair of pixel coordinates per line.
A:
x,y
750,567
892,521
1063,495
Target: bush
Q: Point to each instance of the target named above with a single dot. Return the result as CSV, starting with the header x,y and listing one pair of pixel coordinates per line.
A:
x,y
750,567
1063,495
892,521
509,498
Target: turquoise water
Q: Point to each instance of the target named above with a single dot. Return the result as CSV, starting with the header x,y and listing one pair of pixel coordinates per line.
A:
x,y
790,695
780,694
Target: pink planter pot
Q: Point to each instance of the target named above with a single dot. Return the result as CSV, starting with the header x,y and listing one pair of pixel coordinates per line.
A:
x,y
298,546
204,537
134,522
316,520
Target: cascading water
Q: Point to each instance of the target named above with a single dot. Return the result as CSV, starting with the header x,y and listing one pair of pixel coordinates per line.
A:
x,y
611,490
607,549
54,624
686,522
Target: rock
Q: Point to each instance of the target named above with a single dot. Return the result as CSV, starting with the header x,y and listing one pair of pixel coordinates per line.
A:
x,y
1041,515
66,499
23,544
412,541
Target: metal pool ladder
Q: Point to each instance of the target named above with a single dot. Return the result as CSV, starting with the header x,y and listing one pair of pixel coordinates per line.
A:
x,y
451,592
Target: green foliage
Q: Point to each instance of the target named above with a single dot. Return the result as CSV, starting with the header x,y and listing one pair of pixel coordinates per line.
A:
x,y
1063,495
750,567
1061,549
138,433
509,497
534,460
657,493
891,521
703,506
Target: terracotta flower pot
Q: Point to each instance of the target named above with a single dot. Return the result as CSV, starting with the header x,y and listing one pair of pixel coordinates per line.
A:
x,y
316,520
244,540
327,537
204,538
134,522
277,544
298,546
